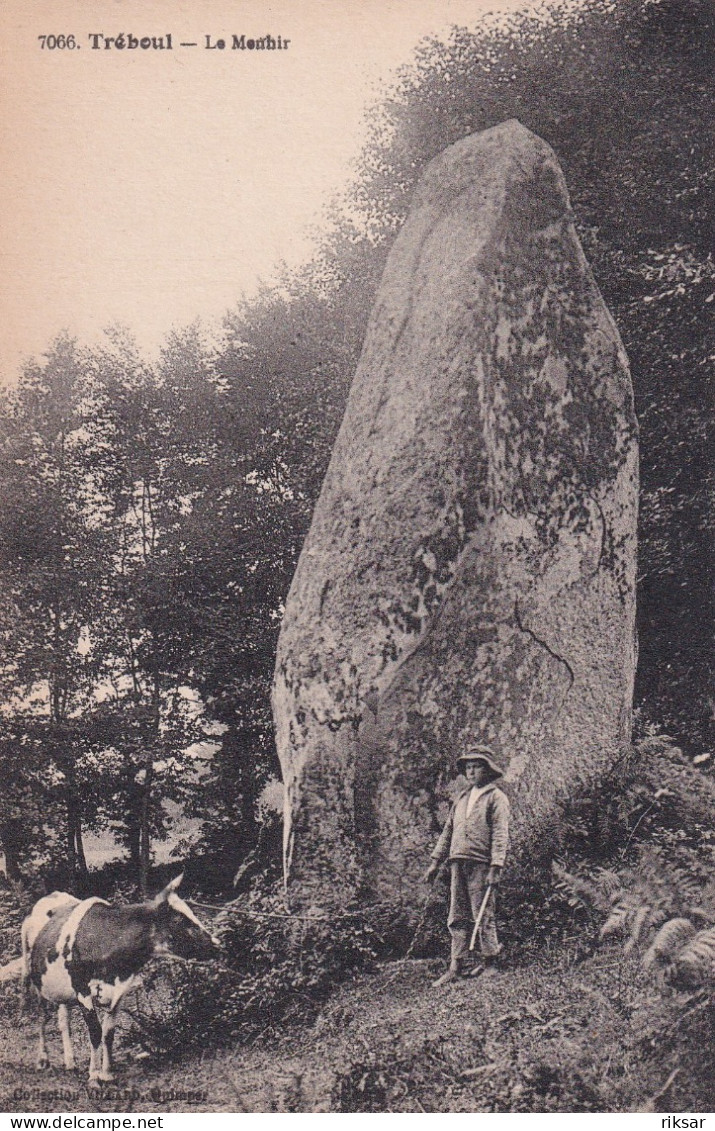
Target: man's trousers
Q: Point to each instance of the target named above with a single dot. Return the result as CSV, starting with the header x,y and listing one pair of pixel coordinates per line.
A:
x,y
467,887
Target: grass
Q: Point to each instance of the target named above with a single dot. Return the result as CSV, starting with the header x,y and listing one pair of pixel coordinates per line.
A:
x,y
557,1034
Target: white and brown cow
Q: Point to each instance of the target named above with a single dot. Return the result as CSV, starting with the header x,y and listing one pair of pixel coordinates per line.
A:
x,y
32,926
90,953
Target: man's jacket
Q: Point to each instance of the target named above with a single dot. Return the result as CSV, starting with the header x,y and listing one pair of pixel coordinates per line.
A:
x,y
483,835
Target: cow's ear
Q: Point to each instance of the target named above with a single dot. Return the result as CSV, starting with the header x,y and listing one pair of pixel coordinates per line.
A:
x,y
166,892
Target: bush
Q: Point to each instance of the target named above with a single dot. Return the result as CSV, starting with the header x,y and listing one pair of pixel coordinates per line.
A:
x,y
11,916
276,968
642,834
648,823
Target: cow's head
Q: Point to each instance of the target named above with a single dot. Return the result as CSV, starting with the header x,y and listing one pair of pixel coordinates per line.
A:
x,y
179,931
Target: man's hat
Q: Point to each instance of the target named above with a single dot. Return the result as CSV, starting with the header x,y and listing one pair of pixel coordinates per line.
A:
x,y
481,754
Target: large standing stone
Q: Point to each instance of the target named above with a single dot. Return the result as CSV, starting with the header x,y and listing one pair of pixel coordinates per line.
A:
x,y
469,573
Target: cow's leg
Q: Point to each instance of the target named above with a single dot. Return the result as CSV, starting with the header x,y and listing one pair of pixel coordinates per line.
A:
x,y
43,1060
63,1021
95,1040
109,1020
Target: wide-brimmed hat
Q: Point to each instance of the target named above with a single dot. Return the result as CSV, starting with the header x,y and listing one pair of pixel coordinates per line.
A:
x,y
481,754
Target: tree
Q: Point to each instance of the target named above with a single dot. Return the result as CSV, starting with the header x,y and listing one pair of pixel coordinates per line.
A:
x,y
225,568
147,722
29,806
51,550
91,496
153,515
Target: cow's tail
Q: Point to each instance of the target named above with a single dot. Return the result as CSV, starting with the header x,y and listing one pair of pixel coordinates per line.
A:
x,y
25,944
25,969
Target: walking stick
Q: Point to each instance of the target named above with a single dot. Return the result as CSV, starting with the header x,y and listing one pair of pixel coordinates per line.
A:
x,y
480,916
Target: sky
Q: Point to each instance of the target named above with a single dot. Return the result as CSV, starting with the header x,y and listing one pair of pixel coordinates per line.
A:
x,y
148,187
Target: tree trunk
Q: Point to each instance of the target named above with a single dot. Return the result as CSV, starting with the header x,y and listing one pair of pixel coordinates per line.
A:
x,y
79,843
144,831
71,840
9,848
145,842
134,841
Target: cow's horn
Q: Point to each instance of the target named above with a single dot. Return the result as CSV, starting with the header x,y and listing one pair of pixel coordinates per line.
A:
x,y
166,892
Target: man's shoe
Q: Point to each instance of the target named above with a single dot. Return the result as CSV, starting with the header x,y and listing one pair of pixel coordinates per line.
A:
x,y
453,974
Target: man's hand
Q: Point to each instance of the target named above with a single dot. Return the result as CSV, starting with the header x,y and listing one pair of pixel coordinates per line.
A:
x,y
494,874
431,872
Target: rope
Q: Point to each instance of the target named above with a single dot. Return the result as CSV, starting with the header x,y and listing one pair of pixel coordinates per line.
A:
x,y
398,965
250,914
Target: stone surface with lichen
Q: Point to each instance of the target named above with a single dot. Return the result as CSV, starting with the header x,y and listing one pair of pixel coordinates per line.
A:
x,y
469,575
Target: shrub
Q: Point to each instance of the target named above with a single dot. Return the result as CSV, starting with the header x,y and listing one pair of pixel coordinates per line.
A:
x,y
276,968
11,916
642,835
664,900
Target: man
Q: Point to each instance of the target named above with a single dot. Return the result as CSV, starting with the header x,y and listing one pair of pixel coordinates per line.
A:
x,y
475,839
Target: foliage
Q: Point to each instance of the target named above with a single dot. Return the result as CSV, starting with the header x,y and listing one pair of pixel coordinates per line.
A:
x,y
642,836
617,90
598,82
653,794
375,1082
657,897
277,968
546,1035
693,965
153,514
11,917
397,1079
96,722
52,543
639,912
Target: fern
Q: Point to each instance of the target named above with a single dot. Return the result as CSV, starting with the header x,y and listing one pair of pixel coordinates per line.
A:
x,y
581,892
640,920
704,907
609,883
668,942
694,966
686,955
622,914
578,892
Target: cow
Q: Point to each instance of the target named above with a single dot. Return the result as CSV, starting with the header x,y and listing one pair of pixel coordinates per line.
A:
x,y
89,953
32,926
38,918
